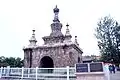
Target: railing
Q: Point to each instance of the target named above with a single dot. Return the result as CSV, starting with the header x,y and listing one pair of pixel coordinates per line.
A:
x,y
66,73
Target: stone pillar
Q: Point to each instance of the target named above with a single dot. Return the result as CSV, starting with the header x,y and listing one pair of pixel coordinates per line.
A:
x,y
28,58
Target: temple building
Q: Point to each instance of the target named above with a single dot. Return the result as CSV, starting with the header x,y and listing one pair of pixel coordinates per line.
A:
x,y
57,51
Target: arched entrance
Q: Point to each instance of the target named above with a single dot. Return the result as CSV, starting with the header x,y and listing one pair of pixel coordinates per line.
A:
x,y
46,62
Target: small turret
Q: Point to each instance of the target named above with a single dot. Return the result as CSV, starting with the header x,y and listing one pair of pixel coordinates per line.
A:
x,y
67,30
33,40
67,34
76,42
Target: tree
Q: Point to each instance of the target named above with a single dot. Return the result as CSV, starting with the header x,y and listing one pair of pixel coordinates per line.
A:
x,y
94,58
11,61
108,36
3,63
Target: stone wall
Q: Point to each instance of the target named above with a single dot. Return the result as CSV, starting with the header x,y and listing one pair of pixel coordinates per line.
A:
x,y
62,56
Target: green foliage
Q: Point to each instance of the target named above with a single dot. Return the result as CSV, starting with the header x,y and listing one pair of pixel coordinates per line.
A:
x,y
94,58
11,61
108,35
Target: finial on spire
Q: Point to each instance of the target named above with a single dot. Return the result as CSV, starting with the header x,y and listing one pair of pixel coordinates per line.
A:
x,y
76,42
67,30
33,32
67,25
56,11
75,37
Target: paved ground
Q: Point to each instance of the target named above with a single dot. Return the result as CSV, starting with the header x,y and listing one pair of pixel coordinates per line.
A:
x,y
115,76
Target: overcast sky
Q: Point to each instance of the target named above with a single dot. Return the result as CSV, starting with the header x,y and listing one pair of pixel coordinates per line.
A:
x,y
19,17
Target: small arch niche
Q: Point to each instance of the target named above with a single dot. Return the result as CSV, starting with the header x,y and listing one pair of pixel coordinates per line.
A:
x,y
70,54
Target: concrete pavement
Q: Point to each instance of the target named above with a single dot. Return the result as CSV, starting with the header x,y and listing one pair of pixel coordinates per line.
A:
x,y
115,76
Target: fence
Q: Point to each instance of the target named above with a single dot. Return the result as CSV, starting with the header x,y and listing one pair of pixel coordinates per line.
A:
x,y
66,73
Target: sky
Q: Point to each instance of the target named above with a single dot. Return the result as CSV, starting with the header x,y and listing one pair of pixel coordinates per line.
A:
x,y
19,17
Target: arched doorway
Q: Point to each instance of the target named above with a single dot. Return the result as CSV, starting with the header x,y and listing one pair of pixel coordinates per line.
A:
x,y
46,62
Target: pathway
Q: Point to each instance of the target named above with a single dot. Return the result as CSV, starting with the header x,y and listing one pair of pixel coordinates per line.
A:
x,y
115,76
